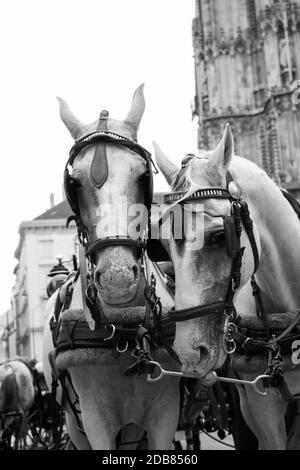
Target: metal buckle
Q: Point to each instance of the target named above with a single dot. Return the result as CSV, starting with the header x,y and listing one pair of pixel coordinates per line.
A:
x,y
122,351
112,334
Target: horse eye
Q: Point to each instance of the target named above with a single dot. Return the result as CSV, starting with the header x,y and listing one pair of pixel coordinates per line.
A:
x,y
75,183
215,238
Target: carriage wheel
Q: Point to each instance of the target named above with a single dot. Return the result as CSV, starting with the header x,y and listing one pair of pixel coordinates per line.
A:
x,y
34,429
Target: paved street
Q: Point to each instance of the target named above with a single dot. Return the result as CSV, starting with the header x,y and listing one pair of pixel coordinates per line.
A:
x,y
207,443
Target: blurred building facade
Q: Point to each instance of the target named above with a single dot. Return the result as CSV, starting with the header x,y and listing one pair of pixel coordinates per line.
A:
x,y
247,64
41,240
7,336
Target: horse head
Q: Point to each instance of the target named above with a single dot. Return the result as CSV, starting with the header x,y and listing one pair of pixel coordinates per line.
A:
x,y
107,187
202,255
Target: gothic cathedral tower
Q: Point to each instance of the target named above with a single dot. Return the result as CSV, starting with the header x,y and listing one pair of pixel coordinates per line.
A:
x,y
247,67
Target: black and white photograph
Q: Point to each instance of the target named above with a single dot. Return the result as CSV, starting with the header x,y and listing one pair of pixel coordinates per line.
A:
x,y
150,228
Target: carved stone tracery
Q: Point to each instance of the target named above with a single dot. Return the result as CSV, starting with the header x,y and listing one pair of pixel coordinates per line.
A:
x,y
260,98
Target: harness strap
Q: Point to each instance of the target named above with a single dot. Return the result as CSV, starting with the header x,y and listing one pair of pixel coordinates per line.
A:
x,y
83,279
160,326
94,304
143,364
99,166
260,308
287,330
248,225
214,308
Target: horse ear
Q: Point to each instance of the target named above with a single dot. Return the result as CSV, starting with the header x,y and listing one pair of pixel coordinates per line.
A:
x,y
222,155
166,166
73,124
137,108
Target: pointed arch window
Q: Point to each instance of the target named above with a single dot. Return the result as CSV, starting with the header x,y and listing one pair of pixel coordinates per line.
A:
x,y
251,10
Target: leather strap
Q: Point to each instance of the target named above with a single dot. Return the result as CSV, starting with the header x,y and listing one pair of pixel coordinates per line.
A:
x,y
248,225
114,241
83,280
76,335
196,312
99,166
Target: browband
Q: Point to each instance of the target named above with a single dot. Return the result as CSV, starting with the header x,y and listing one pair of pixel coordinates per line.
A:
x,y
218,193
197,312
109,137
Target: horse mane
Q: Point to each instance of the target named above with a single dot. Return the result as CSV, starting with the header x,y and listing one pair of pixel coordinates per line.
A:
x,y
182,183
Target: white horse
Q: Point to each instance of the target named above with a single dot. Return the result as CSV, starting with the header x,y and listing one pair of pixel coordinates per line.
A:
x,y
110,402
17,393
202,272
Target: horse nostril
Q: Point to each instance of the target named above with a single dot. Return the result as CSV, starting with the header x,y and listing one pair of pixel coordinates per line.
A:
x,y
97,278
135,271
204,353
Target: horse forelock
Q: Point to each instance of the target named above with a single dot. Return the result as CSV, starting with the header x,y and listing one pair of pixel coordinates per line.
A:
x,y
196,171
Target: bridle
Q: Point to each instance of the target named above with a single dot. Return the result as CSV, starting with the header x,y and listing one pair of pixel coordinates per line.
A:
x,y
98,175
239,216
88,248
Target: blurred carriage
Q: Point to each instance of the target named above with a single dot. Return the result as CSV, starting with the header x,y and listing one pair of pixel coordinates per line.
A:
x,y
42,426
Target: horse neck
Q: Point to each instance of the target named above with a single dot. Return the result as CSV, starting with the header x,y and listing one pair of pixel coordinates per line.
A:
x,y
279,231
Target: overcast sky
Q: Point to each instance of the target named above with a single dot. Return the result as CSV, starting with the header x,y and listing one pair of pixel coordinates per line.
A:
x,y
93,53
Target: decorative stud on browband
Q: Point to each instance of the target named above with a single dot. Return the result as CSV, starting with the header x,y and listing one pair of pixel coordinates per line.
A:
x,y
104,114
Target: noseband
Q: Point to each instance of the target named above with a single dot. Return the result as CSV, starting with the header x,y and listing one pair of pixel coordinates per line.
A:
x,y
98,175
239,215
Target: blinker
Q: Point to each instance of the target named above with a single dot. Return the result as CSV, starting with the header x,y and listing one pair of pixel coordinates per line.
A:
x,y
230,236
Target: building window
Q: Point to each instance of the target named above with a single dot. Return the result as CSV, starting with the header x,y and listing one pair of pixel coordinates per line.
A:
x,y
46,249
251,9
260,97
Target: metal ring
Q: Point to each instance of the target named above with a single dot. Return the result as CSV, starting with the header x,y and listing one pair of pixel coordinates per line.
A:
x,y
232,326
122,351
157,379
230,351
255,382
112,334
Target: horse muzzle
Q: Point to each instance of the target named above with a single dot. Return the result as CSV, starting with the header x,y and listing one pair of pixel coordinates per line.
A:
x,y
118,283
